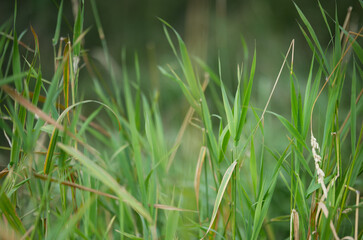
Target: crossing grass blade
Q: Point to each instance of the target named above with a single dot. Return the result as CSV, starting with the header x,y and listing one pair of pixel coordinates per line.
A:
x,y
293,131
185,62
7,208
104,177
265,196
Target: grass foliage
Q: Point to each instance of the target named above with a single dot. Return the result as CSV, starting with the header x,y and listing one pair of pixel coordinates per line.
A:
x,y
115,173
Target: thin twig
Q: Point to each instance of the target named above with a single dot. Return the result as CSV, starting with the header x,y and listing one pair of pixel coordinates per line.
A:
x,y
74,185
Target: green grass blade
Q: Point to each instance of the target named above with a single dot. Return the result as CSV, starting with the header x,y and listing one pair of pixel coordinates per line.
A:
x,y
185,61
228,111
134,133
292,130
104,177
168,37
78,28
10,214
213,146
171,225
358,50
208,70
313,36
12,78
325,19
294,104
265,197
222,188
59,23
188,70
16,56
182,85
50,152
313,48
66,225
246,97
353,111
253,168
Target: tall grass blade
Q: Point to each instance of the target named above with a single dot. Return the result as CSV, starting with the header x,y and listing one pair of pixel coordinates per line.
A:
x,y
246,97
222,188
314,37
58,26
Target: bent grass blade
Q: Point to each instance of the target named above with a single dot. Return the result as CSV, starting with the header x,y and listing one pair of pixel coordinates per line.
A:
x,y
222,188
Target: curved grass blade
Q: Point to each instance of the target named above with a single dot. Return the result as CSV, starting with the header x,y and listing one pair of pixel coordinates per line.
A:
x,y
221,190
198,172
10,214
104,177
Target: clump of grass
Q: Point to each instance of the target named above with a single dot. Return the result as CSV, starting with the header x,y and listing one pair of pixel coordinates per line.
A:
x,y
76,176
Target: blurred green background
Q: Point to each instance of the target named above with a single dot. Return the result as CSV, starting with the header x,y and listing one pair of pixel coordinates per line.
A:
x,y
211,29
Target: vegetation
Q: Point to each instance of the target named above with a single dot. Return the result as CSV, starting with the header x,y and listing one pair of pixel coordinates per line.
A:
x,y
108,168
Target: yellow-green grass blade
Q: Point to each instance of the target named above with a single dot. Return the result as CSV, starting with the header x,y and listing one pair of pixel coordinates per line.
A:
x,y
185,62
104,177
135,141
10,214
50,152
222,188
129,236
253,168
228,111
66,224
171,224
